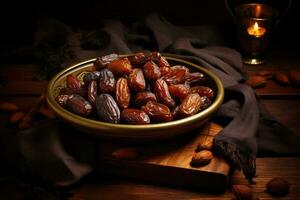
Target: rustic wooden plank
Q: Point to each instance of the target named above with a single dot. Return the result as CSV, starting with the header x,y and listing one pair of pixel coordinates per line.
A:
x,y
19,80
169,162
28,88
18,71
276,63
115,188
286,111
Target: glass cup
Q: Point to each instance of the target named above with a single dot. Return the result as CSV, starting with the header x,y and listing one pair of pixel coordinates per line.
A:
x,y
255,23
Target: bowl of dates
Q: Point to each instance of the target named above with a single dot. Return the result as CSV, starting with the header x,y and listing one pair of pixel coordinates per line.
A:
x,y
137,97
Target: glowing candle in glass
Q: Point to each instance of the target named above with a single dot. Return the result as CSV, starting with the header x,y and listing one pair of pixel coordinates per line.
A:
x,y
256,30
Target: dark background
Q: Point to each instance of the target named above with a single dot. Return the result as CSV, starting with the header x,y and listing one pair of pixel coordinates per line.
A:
x,y
19,18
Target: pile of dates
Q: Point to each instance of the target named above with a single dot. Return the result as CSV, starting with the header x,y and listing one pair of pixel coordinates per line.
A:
x,y
139,89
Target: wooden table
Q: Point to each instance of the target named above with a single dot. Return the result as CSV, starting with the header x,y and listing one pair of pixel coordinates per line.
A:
x,y
282,102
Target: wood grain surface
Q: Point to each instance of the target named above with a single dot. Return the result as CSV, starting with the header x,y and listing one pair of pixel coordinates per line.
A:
x,y
109,187
169,162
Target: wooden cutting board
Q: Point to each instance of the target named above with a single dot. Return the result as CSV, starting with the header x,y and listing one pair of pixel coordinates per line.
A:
x,y
169,162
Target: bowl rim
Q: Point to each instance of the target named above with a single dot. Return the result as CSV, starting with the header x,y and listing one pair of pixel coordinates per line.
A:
x,y
90,123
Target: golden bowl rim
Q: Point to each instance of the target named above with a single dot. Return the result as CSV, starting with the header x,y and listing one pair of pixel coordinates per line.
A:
x,y
89,123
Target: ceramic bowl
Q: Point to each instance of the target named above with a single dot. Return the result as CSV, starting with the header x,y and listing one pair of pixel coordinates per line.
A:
x,y
134,133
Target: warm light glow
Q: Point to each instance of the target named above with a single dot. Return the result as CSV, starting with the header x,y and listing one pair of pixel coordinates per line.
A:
x,y
256,30
258,11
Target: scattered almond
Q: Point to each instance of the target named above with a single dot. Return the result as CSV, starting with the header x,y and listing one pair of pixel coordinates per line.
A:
x,y
242,192
201,158
47,112
265,73
16,117
205,143
282,78
256,81
8,107
278,187
125,153
295,78
30,116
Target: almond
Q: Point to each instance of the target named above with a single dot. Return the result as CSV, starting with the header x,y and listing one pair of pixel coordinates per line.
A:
x,y
278,187
295,78
8,107
265,73
127,153
282,78
242,192
205,143
24,125
256,81
47,112
16,117
201,158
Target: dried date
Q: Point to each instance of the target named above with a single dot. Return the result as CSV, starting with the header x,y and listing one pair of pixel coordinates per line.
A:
x,y
164,70
203,91
157,112
107,109
205,102
101,62
151,71
107,81
190,105
157,58
187,70
162,93
92,92
136,80
91,76
195,78
163,62
122,93
73,82
62,99
138,59
120,67
179,91
154,56
78,105
175,76
134,116
142,98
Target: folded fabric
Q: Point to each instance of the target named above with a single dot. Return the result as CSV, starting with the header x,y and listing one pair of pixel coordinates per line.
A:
x,y
248,124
